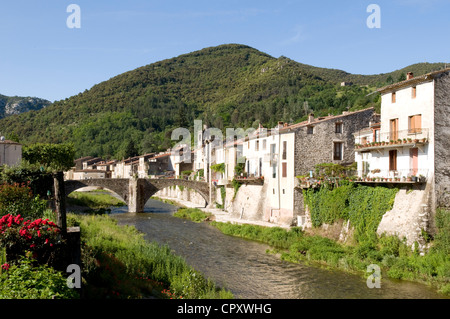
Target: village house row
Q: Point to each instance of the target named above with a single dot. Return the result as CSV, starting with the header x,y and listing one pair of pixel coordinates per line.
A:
x,y
408,143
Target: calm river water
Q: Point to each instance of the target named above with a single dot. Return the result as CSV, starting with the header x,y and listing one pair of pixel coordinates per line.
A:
x,y
247,270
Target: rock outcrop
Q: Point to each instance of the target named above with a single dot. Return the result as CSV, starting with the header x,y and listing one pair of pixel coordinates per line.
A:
x,y
16,105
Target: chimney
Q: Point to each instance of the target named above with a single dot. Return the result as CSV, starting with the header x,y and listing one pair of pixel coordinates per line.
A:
x,y
409,76
280,124
310,117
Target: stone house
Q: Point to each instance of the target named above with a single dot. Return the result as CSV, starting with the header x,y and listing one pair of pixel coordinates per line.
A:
x,y
181,159
328,139
87,174
10,152
160,165
126,168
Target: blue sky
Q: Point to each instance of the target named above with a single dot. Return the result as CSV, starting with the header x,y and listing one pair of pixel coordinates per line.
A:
x,y
40,56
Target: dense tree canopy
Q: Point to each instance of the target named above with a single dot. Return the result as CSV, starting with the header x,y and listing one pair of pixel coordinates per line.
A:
x,y
53,157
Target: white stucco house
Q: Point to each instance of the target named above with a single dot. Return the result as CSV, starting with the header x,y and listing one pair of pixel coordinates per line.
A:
x,y
411,142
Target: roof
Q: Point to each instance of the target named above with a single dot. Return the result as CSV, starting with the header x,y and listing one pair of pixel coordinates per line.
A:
x,y
320,120
415,80
83,158
89,171
9,142
162,155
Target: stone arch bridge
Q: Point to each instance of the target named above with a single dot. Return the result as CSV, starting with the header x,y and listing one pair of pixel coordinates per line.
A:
x,y
136,192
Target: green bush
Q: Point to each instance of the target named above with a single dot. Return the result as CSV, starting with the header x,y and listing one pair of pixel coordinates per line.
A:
x,y
18,199
442,238
24,280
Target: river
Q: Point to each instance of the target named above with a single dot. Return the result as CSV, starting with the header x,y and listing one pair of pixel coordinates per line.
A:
x,y
248,271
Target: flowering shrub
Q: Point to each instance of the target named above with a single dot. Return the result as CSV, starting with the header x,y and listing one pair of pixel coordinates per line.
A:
x,y
18,235
18,198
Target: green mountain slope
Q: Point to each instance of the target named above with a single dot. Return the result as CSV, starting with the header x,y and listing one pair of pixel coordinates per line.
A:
x,y
226,86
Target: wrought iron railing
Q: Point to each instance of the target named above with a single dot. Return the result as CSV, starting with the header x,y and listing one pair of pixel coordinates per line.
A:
x,y
394,175
411,136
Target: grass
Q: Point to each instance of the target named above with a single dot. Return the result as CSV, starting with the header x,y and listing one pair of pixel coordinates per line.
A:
x,y
168,201
120,263
194,214
93,200
395,258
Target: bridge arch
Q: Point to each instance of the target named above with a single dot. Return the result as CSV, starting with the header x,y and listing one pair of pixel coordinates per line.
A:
x,y
159,184
118,186
136,192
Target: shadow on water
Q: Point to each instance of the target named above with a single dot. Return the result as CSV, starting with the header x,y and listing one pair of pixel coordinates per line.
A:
x,y
248,270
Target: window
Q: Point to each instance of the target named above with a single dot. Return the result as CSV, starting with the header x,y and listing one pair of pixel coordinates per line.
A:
x,y
394,129
257,146
310,130
283,169
284,150
264,144
273,155
363,140
414,160
415,124
414,92
283,191
337,151
376,135
338,128
393,160
393,97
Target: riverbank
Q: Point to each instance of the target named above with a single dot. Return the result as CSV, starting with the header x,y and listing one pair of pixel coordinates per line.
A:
x,y
395,259
119,263
219,215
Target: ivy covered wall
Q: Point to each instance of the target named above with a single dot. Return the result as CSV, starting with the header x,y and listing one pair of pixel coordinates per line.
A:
x,y
363,206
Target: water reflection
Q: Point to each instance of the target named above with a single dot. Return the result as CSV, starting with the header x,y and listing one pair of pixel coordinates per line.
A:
x,y
247,270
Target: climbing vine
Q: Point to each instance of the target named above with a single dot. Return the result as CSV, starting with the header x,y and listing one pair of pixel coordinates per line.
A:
x,y
218,168
363,206
223,194
236,185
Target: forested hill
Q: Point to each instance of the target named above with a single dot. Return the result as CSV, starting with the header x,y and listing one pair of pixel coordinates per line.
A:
x,y
225,86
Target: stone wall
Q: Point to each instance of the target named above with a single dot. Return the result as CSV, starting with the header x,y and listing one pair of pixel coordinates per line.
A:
x,y
248,203
408,217
186,194
442,140
317,148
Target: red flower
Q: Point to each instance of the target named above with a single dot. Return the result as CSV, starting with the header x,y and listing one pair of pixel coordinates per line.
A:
x,y
5,266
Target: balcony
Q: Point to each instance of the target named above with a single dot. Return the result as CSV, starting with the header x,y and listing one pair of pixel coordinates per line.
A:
x,y
405,176
392,140
389,177
252,180
223,182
